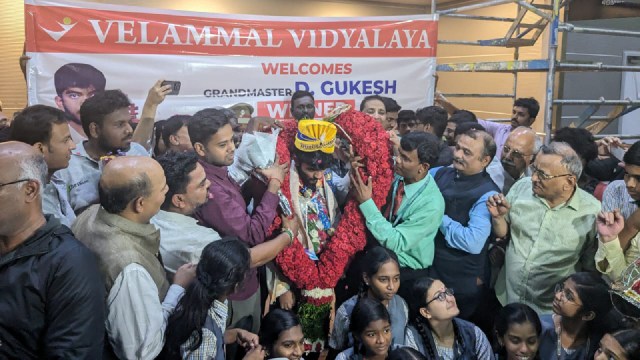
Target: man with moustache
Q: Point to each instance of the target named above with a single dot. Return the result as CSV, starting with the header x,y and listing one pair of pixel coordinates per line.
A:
x,y
105,119
45,129
181,237
409,221
303,105
461,245
619,222
211,134
551,225
51,291
517,153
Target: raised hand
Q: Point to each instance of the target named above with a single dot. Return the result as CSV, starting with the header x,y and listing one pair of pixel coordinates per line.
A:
x,y
361,191
275,172
609,224
157,93
498,205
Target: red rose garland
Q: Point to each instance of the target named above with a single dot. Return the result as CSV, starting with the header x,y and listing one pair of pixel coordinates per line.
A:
x,y
371,142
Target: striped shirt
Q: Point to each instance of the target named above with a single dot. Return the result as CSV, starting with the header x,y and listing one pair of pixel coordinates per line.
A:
x,y
615,196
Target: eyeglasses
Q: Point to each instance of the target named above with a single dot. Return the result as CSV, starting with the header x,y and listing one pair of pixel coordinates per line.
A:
x,y
543,176
566,294
14,182
442,296
515,153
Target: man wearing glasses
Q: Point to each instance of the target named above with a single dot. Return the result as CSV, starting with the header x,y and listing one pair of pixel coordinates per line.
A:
x,y
551,225
619,222
51,292
517,154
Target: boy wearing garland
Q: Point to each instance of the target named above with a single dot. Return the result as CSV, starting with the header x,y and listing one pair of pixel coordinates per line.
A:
x,y
315,207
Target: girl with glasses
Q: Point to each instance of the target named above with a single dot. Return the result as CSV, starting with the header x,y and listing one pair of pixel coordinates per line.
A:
x,y
579,308
380,282
434,329
517,332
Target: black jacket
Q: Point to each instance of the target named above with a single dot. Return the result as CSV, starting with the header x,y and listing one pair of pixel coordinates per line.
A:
x,y
52,298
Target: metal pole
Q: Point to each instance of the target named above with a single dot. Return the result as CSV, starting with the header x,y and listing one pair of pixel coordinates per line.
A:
x,y
480,95
596,67
475,6
472,43
480,17
587,30
433,6
551,73
596,102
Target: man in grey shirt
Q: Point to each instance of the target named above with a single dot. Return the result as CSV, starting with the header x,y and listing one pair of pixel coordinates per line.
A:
x,y
106,121
45,129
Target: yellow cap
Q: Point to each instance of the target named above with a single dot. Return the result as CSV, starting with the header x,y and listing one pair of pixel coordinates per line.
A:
x,y
316,135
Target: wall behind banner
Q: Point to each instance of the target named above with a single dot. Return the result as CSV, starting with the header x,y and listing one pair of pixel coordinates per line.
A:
x,y
13,89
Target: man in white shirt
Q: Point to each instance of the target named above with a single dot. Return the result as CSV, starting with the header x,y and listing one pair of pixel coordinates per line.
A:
x,y
118,231
181,237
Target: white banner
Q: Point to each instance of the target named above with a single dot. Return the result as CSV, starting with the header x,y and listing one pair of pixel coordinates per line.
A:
x,y
222,60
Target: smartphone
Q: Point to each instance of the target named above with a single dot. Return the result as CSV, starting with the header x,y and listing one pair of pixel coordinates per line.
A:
x,y
175,86
617,152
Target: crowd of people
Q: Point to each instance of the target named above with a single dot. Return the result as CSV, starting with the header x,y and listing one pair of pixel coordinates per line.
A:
x,y
129,243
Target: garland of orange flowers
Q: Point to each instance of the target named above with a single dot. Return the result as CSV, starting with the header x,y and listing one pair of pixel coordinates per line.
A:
x,y
371,142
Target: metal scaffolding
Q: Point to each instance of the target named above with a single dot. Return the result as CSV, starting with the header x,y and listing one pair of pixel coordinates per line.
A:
x,y
522,34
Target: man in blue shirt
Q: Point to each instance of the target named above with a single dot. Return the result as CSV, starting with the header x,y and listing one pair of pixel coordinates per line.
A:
x,y
460,259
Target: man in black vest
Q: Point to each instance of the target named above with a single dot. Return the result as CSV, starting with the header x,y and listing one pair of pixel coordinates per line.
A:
x,y
460,259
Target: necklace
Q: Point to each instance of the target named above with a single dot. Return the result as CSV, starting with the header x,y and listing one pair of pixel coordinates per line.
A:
x,y
559,348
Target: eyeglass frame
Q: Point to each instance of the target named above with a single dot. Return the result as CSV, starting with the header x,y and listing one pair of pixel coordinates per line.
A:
x,y
544,176
442,296
516,153
560,288
14,182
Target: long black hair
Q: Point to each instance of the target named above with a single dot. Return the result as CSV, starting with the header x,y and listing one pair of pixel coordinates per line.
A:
x,y
372,262
418,300
223,265
365,312
273,324
515,313
594,295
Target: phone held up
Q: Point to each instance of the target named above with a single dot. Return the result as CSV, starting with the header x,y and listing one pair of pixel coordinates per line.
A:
x,y
175,86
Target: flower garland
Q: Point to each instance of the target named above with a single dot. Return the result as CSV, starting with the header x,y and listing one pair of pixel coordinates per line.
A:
x,y
371,142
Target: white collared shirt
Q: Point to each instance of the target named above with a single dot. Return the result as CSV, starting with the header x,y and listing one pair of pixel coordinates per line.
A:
x,y
181,239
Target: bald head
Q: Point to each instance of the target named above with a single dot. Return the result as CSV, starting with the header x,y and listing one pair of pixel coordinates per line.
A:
x,y
21,161
131,186
518,150
125,170
23,175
